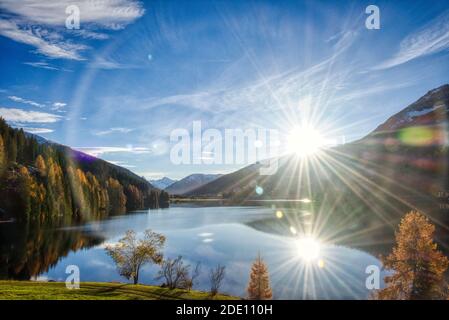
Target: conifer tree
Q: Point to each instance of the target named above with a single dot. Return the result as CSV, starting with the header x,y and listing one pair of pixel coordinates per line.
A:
x,y
418,267
3,157
259,282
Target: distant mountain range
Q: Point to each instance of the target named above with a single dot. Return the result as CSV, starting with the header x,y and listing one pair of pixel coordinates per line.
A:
x,y
190,183
162,183
402,164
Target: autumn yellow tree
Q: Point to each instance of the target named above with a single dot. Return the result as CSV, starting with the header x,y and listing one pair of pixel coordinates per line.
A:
x,y
259,281
418,267
40,165
117,198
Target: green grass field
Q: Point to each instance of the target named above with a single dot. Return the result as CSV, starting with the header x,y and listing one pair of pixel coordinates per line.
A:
x,y
33,290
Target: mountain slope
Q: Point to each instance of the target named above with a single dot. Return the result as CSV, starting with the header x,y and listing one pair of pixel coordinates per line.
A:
x,y
431,109
44,180
191,182
401,165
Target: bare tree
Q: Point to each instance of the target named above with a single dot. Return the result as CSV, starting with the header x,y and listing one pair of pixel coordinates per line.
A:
x,y
190,282
176,274
130,253
216,277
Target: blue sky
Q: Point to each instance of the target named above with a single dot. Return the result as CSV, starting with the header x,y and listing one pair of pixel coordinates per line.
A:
x,y
135,71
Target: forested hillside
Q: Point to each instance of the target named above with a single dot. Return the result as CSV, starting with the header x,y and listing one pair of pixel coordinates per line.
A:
x,y
45,181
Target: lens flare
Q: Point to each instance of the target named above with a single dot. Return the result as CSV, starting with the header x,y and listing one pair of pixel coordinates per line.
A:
x,y
304,141
279,214
308,248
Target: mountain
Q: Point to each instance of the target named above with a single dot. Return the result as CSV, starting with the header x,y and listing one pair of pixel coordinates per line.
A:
x,y
191,182
401,165
39,139
162,183
429,110
43,180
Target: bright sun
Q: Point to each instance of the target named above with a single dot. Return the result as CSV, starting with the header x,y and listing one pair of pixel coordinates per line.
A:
x,y
307,248
304,141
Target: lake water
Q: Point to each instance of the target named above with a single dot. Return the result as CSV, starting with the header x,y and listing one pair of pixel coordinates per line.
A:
x,y
211,235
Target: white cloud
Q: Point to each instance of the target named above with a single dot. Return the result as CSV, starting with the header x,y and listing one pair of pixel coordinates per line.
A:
x,y
58,106
113,130
109,14
23,116
97,151
430,39
39,23
37,130
26,101
151,175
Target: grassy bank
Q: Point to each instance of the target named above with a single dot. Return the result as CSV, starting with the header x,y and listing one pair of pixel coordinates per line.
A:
x,y
33,290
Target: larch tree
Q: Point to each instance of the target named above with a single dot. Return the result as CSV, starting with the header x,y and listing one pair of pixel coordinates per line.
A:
x,y
41,166
259,281
418,267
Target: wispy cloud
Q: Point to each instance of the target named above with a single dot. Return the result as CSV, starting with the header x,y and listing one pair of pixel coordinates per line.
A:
x,y
38,23
86,34
373,89
21,116
107,64
430,39
36,130
46,43
113,130
45,65
266,91
121,164
26,101
97,151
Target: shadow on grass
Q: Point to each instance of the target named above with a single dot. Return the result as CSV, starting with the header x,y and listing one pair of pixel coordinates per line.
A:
x,y
142,291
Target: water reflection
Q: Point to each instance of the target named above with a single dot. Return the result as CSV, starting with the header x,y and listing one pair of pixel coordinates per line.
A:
x,y
214,235
28,250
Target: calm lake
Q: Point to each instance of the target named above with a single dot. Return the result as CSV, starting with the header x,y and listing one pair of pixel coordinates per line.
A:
x,y
230,236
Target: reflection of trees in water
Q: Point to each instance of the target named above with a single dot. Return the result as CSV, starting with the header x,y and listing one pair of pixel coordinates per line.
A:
x,y
30,249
